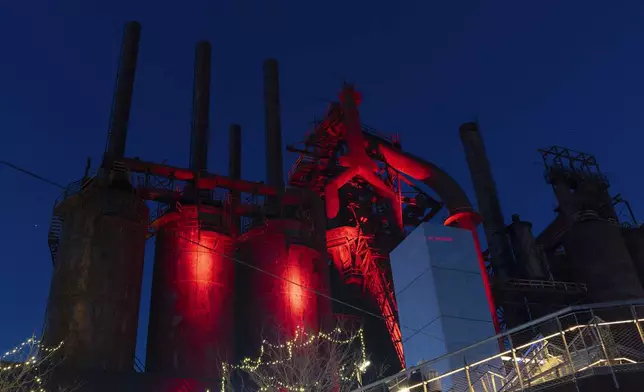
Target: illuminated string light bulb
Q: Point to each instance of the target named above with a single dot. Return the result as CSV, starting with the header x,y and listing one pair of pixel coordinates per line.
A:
x,y
251,365
30,362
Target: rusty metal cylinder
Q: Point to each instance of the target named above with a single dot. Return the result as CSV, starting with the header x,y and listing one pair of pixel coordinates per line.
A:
x,y
201,108
124,90
277,294
601,259
191,327
525,249
95,289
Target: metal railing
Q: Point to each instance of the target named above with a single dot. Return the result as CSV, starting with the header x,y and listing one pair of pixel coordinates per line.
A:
x,y
565,346
546,285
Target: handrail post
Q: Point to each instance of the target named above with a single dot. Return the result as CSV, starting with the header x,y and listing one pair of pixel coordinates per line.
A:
x,y
583,340
516,363
467,375
637,323
601,341
565,343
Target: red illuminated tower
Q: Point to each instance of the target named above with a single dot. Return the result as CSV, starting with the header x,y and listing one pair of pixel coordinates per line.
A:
x,y
286,241
191,325
369,186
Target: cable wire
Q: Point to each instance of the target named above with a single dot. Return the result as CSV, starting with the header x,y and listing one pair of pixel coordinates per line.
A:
x,y
234,259
316,292
29,173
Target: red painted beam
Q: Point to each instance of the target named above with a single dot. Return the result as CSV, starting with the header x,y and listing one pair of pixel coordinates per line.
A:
x,y
209,181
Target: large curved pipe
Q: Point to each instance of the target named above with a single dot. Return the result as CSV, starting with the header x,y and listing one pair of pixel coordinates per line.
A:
x,y
357,162
461,213
448,190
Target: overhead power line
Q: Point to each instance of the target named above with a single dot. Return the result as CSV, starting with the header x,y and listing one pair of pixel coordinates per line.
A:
x,y
32,174
248,265
312,290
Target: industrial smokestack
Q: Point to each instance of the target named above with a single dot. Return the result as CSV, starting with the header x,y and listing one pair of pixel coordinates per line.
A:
x,y
123,93
274,175
234,169
200,109
488,200
234,157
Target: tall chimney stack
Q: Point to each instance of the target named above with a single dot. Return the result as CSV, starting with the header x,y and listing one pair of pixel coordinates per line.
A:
x,y
488,200
123,94
234,168
274,176
200,109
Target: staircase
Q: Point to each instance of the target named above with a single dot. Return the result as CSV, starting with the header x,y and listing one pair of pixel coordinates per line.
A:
x,y
307,169
53,237
139,367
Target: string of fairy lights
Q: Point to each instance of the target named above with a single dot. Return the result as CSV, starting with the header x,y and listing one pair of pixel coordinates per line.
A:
x,y
31,364
302,339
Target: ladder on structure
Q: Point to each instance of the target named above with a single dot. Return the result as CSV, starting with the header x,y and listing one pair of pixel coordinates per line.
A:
x,y
53,237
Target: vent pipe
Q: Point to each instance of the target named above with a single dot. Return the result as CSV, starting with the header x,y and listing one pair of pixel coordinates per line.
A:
x,y
123,94
234,154
234,170
274,175
200,109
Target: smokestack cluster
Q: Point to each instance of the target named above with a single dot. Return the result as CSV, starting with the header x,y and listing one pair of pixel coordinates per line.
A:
x,y
199,134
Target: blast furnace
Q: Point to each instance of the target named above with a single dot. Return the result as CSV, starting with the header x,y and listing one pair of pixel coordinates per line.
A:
x,y
237,261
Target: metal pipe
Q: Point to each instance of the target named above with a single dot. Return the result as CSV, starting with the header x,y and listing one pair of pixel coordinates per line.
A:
x,y
200,109
568,355
488,200
439,181
274,176
325,308
630,212
123,93
516,363
234,172
234,157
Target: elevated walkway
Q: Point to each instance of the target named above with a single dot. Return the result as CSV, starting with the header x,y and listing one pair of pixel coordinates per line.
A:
x,y
559,352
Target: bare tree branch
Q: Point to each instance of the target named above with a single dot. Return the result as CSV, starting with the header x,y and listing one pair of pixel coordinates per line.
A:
x,y
28,367
309,361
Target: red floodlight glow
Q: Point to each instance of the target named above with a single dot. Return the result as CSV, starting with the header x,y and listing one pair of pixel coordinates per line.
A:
x,y
192,307
469,221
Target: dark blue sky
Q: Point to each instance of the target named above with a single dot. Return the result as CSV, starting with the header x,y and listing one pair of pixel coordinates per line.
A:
x,y
535,73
